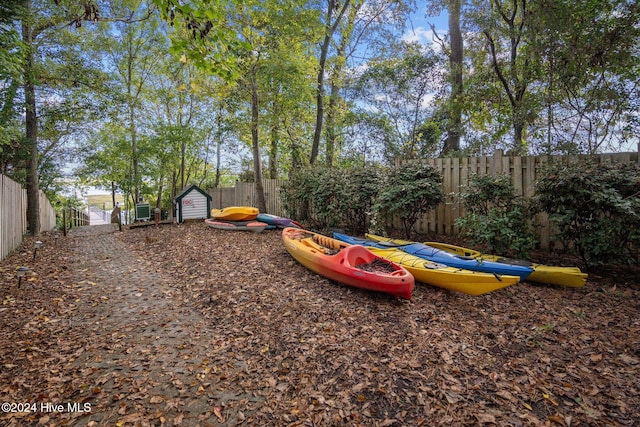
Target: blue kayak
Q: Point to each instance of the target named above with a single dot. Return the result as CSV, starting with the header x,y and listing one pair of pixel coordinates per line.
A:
x,y
443,257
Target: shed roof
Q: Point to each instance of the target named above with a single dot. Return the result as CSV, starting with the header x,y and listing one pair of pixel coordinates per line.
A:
x,y
189,190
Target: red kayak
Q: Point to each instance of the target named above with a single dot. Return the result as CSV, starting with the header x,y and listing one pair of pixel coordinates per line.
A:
x,y
352,265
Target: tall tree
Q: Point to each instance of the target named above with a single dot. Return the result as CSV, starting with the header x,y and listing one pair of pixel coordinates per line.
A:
x,y
590,57
214,30
39,21
334,13
31,125
506,28
396,88
54,70
365,29
11,57
131,55
456,56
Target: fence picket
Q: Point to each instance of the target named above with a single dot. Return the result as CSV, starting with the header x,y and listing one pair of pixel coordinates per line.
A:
x,y
456,173
244,194
523,172
13,215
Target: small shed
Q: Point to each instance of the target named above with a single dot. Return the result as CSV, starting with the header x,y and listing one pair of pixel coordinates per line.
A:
x,y
192,203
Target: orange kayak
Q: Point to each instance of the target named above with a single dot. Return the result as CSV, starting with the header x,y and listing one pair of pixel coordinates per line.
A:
x,y
352,265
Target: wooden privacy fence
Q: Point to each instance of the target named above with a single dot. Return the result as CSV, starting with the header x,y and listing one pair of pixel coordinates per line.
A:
x,y
524,171
456,173
13,218
244,194
13,215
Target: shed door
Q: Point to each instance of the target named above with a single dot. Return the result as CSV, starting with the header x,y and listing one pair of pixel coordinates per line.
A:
x,y
194,205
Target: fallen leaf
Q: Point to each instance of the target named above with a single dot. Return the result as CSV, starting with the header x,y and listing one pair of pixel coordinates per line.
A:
x,y
485,418
218,412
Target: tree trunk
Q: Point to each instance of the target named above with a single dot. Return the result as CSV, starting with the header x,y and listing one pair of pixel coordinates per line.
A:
x,y
262,205
134,152
160,188
331,125
31,121
183,149
330,29
275,138
334,97
174,193
315,146
519,146
218,147
273,152
218,161
455,68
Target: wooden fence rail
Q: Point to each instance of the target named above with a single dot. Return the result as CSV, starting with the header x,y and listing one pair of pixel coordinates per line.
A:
x,y
13,215
74,217
13,218
244,194
524,171
456,173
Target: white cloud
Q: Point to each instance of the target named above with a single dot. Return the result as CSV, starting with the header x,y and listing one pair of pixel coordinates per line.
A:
x,y
419,34
425,36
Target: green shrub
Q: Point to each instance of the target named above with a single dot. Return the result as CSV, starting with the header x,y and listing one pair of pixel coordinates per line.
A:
x,y
495,217
409,191
333,197
296,191
360,191
596,208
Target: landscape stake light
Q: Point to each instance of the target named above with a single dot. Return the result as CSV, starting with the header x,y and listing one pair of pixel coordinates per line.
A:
x,y
55,238
36,246
22,271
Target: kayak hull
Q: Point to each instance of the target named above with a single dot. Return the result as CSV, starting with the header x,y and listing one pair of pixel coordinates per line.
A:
x,y
278,221
255,226
450,278
571,277
453,260
351,265
235,213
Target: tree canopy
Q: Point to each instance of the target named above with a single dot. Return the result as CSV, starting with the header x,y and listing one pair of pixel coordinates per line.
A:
x,y
152,96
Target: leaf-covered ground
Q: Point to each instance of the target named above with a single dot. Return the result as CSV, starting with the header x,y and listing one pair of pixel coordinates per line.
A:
x,y
187,325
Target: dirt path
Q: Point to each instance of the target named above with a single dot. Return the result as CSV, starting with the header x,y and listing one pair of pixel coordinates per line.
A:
x,y
147,353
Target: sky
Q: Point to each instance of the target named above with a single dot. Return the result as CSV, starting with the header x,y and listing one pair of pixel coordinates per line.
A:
x,y
419,26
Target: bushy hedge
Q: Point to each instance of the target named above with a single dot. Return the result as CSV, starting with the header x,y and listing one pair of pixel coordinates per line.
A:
x,y
332,198
495,217
409,191
348,198
596,208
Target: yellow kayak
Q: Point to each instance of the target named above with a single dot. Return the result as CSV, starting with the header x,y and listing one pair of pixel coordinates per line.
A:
x,y
235,213
442,276
563,276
